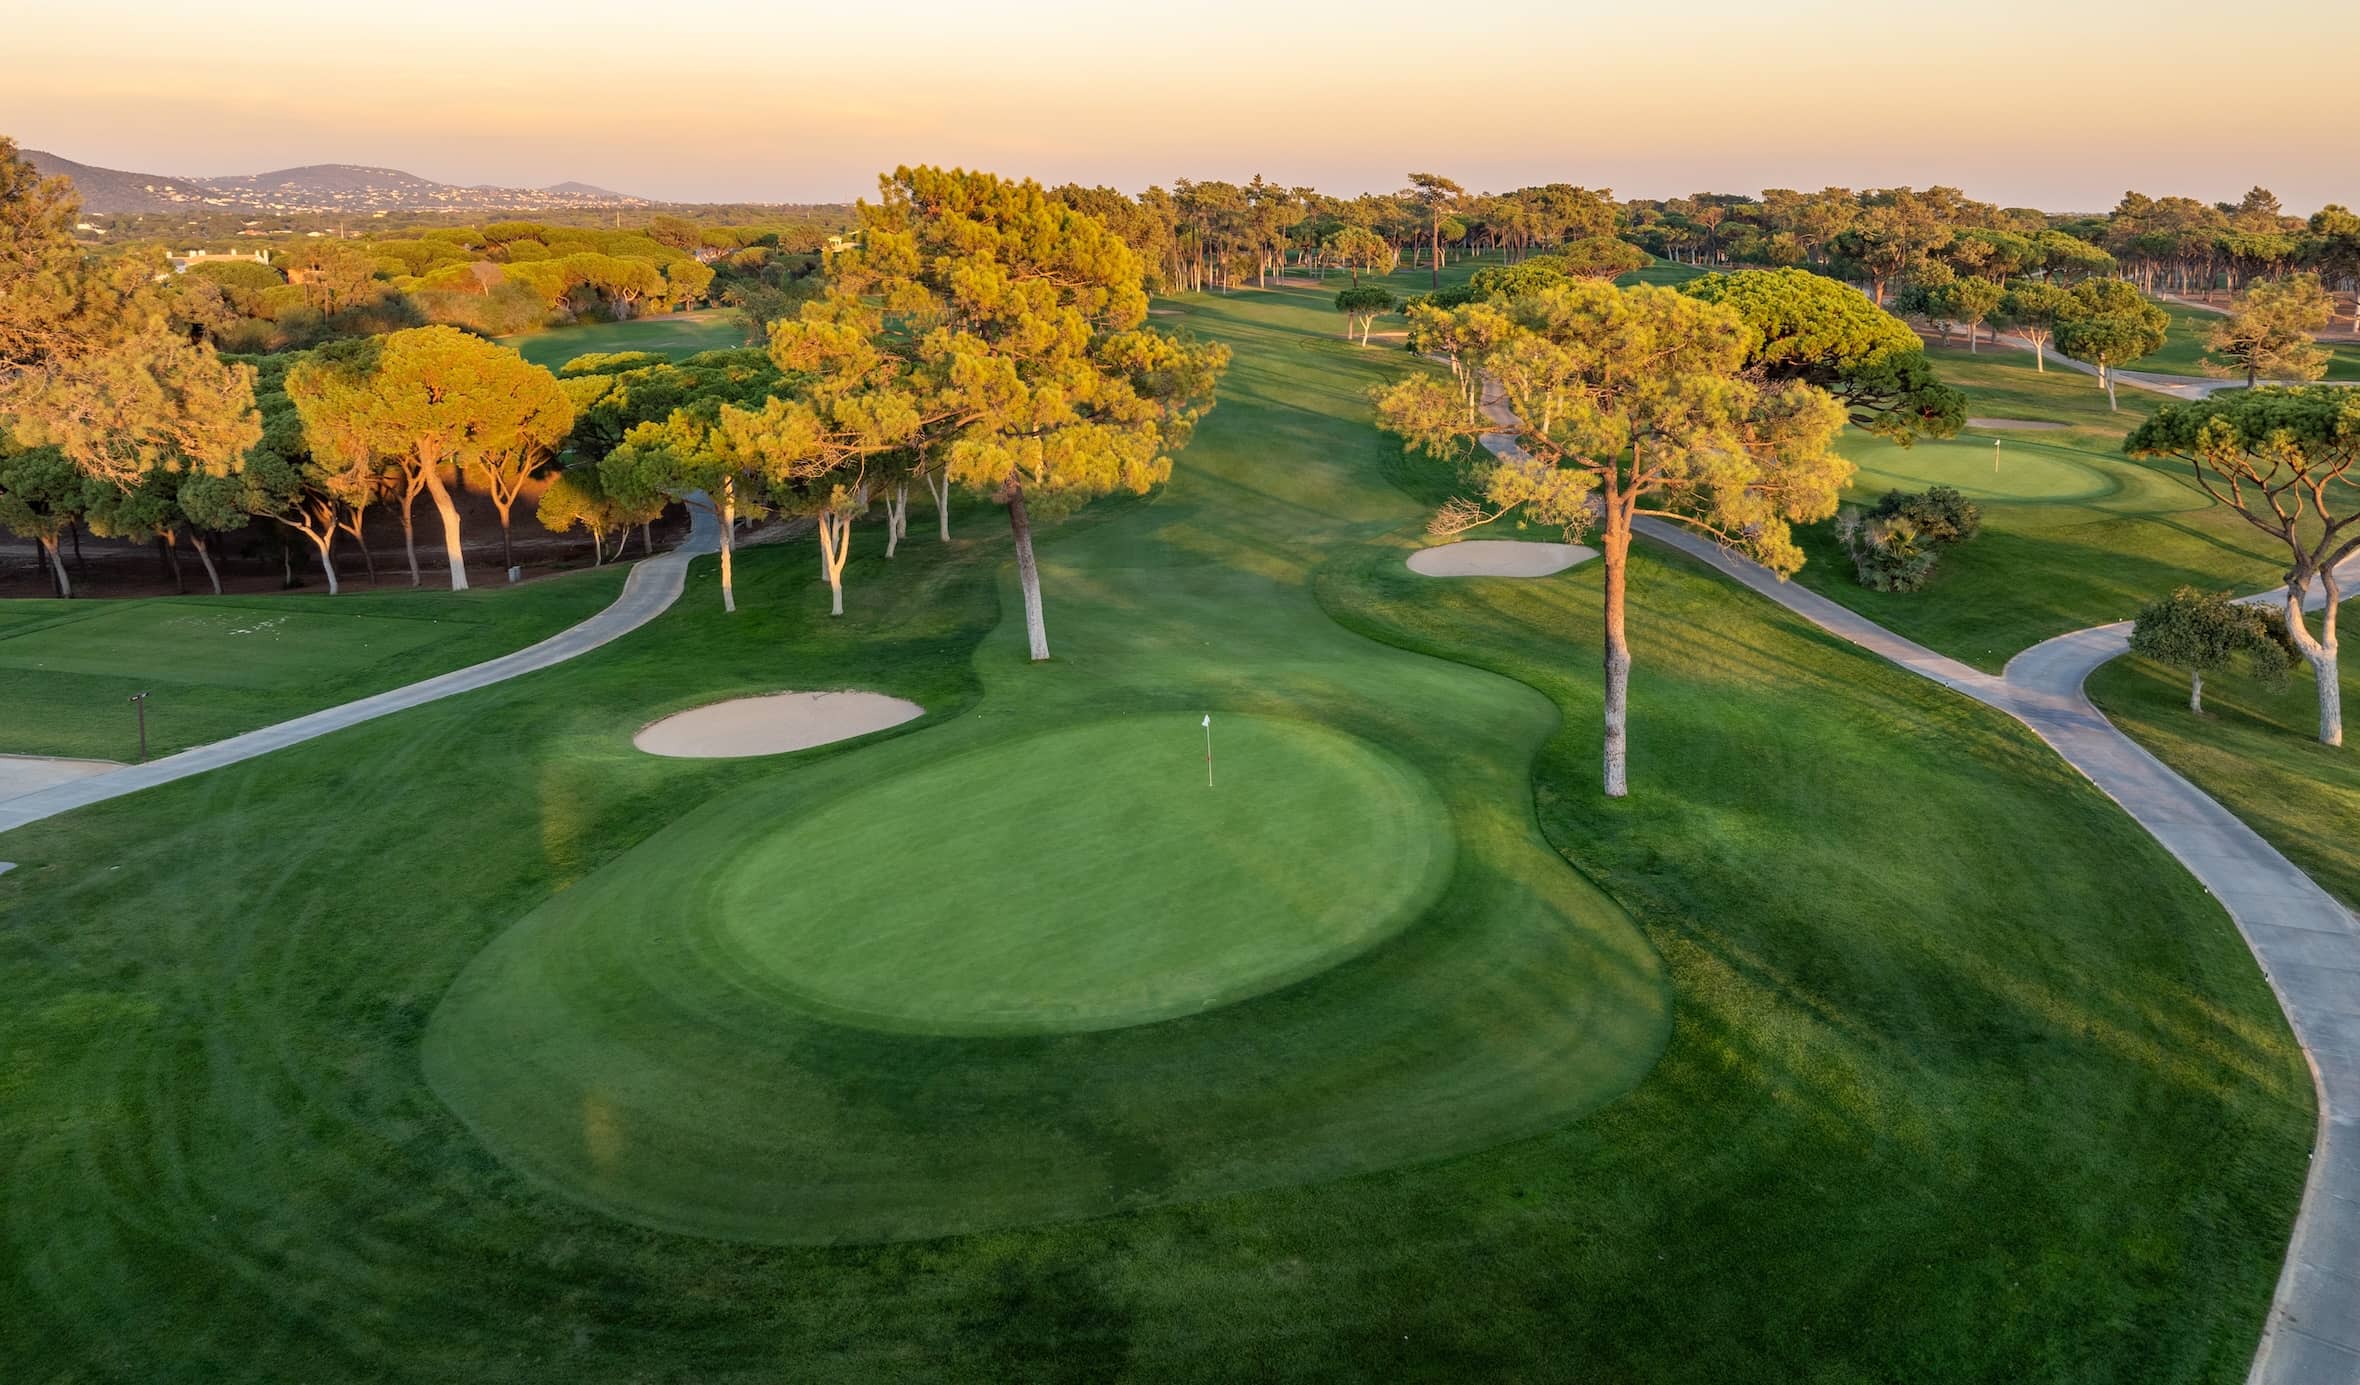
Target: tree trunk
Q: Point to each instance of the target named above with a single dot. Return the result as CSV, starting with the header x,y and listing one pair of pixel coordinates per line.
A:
x,y
897,508
1973,331
728,543
172,553
2106,378
450,523
2040,365
2196,691
81,564
368,559
2320,653
57,568
1616,552
1028,575
835,542
507,554
940,488
328,565
205,555
410,532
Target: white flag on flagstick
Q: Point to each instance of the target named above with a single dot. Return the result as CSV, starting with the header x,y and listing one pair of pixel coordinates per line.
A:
x,y
1208,719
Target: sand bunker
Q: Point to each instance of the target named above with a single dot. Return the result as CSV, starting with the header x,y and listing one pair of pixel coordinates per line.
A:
x,y
772,725
2017,425
1498,558
24,774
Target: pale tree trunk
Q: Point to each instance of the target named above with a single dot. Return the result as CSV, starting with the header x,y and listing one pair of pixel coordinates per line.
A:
x,y
57,567
2106,378
2319,652
450,523
897,514
939,486
728,542
196,540
835,544
2196,691
2040,364
1028,575
326,549
1616,545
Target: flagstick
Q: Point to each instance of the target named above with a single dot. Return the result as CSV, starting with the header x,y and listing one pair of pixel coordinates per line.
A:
x,y
1208,751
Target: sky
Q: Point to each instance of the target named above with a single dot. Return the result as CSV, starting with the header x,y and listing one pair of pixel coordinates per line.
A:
x,y
2052,104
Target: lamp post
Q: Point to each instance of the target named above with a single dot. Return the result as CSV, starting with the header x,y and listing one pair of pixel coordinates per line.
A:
x,y
139,700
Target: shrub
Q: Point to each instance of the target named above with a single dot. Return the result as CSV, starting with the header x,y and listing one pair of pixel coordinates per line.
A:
x,y
1888,554
1896,547
1943,516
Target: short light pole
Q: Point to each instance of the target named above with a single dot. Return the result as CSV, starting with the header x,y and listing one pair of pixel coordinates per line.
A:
x,y
139,700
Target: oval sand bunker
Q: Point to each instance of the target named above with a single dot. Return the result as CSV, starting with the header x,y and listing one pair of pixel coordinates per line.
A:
x,y
772,725
1498,558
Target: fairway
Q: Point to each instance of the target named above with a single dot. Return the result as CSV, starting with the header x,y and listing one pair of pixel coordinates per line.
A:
x,y
199,642
218,666
676,335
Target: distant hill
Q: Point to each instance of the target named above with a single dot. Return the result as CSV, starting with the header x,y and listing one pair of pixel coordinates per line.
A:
x,y
328,180
588,190
112,190
351,188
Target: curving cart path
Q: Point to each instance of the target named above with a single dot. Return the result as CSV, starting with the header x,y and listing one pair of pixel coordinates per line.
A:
x,y
650,590
2307,943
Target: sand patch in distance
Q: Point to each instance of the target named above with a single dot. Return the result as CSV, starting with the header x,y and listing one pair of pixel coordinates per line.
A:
x,y
772,725
1498,558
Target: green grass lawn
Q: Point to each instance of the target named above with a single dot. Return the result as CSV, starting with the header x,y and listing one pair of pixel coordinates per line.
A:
x,y
2074,532
216,666
2255,749
2183,353
677,335
1786,1067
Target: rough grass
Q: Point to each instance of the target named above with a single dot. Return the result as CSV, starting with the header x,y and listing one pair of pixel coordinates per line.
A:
x,y
2074,532
216,666
1965,1080
2256,749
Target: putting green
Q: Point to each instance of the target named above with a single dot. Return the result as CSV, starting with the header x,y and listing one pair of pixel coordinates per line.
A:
x,y
2019,470
1144,894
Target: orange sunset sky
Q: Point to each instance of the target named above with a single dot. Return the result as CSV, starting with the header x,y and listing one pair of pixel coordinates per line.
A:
x,y
2055,105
